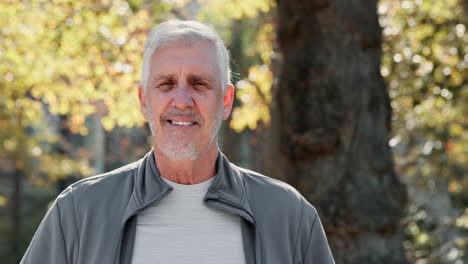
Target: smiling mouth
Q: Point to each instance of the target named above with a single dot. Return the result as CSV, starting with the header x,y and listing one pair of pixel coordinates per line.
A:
x,y
181,123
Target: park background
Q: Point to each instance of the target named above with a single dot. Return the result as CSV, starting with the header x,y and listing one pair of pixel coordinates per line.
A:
x,y
361,105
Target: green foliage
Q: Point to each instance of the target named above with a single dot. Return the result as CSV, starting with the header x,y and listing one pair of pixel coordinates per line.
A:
x,y
255,95
233,10
254,92
424,63
63,61
76,58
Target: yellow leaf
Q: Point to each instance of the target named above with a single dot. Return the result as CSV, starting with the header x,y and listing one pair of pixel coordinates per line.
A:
x,y
107,123
3,201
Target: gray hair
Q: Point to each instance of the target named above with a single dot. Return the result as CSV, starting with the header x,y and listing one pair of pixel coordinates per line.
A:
x,y
188,31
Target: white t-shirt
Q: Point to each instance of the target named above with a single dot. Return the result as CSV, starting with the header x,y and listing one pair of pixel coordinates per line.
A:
x,y
181,229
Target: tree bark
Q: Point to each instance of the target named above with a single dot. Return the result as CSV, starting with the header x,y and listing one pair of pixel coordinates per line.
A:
x,y
16,216
17,195
334,121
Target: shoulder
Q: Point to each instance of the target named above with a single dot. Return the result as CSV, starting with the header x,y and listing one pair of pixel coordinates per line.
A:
x,y
95,187
265,183
266,192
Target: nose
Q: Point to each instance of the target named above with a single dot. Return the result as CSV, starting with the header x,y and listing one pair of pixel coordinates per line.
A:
x,y
183,96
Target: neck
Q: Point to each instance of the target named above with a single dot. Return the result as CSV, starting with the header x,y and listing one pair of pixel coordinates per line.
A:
x,y
188,171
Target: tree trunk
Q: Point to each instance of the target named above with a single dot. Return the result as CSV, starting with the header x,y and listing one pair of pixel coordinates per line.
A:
x,y
17,195
334,120
16,208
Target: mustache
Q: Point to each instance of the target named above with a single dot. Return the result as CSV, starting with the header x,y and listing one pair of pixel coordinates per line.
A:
x,y
186,113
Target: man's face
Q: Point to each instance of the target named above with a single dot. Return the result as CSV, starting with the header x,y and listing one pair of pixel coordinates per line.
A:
x,y
184,102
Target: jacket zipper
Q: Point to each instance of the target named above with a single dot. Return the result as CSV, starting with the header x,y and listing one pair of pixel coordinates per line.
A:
x,y
149,204
249,218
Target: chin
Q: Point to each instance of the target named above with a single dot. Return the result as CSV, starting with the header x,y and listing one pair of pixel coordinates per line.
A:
x,y
180,151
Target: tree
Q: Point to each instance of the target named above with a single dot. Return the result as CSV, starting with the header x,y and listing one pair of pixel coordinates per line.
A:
x,y
424,63
334,124
65,60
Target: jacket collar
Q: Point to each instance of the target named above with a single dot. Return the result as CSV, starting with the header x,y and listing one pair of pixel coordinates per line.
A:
x,y
226,192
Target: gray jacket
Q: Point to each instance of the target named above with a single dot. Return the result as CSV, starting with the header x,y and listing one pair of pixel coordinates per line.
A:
x,y
94,220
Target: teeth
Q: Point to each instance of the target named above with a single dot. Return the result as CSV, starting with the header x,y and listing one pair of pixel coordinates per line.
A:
x,y
182,123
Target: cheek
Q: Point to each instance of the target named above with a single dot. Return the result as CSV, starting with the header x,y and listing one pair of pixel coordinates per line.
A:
x,y
158,101
209,105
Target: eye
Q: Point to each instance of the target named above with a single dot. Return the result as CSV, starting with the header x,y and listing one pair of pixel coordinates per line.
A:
x,y
199,85
165,86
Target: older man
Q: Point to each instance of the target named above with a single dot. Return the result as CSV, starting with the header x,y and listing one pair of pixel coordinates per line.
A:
x,y
184,202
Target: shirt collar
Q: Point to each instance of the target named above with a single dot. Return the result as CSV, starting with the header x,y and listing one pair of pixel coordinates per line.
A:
x,y
226,191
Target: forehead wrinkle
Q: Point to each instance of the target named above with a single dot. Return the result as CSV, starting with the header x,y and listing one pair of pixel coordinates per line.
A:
x,y
200,76
181,55
194,76
160,77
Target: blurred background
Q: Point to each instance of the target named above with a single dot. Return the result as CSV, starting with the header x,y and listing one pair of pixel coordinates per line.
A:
x,y
306,73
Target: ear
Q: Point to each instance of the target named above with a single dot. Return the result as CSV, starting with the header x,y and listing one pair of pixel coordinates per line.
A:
x,y
228,99
143,107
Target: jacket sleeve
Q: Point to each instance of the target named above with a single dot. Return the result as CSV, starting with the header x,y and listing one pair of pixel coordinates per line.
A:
x,y
315,248
49,244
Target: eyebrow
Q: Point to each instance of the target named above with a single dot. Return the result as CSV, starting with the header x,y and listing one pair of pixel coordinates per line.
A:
x,y
198,77
162,77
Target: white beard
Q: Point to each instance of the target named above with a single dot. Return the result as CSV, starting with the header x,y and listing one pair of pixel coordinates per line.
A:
x,y
183,148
